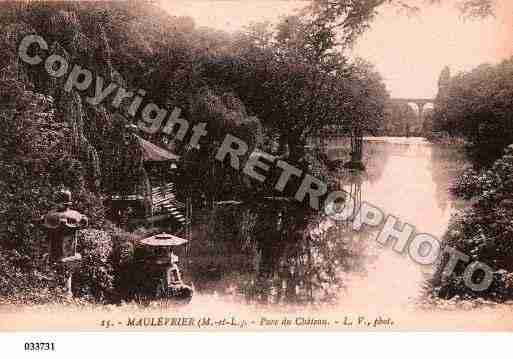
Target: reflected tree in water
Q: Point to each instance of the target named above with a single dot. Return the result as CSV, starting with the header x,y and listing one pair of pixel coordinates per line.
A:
x,y
447,164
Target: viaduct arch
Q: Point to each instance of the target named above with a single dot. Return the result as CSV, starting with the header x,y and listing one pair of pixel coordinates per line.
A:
x,y
419,102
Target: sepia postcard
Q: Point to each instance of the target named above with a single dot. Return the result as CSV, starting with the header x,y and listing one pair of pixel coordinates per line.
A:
x,y
216,165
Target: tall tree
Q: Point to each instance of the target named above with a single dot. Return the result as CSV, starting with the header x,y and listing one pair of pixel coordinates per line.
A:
x,y
476,105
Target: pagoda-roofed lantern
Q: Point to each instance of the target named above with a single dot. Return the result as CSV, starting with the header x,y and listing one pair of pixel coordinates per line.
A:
x,y
164,262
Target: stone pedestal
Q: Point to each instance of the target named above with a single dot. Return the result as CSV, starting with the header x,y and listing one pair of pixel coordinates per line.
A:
x,y
62,225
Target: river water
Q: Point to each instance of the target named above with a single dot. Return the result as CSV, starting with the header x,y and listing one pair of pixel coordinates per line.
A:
x,y
408,178
405,177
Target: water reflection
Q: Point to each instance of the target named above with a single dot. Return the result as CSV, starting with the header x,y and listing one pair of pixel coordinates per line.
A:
x,y
274,251
447,164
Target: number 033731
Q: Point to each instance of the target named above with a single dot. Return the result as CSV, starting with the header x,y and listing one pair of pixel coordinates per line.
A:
x,y
41,346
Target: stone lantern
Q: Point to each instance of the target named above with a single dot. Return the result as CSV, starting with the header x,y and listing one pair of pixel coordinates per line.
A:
x,y
162,262
62,224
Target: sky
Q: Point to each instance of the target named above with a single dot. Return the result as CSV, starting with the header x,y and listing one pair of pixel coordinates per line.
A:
x,y
408,51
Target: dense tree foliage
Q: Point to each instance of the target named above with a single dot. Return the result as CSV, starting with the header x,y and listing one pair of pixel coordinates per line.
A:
x,y
399,120
477,105
273,87
483,231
